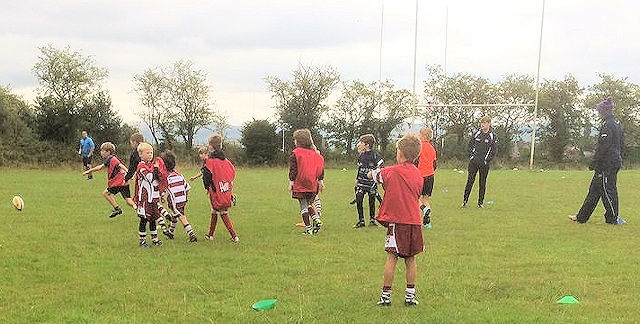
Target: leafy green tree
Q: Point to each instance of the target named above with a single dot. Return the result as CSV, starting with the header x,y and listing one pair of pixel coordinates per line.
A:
x,y
15,119
512,91
150,87
344,119
561,120
189,100
626,97
98,108
17,138
300,102
221,124
394,107
67,80
260,141
176,101
461,89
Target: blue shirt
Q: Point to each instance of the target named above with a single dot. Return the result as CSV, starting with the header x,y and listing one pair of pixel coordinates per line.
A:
x,y
86,144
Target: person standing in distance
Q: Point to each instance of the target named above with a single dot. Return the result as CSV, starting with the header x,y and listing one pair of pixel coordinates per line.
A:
x,y
427,167
86,150
606,162
482,149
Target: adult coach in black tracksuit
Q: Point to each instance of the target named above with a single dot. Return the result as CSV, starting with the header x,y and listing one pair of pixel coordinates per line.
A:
x,y
606,163
482,148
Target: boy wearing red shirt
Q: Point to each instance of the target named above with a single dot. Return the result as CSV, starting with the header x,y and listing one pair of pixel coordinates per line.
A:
x,y
115,178
306,174
151,180
427,167
400,213
218,176
134,159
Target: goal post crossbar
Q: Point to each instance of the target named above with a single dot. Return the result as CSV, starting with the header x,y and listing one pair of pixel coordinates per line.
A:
x,y
480,105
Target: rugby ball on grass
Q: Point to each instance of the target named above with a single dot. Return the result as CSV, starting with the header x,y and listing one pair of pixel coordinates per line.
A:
x,y
18,203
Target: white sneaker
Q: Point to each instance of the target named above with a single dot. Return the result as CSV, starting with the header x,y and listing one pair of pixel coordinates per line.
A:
x,y
384,301
410,301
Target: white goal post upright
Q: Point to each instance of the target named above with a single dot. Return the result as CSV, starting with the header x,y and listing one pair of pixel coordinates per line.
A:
x,y
535,108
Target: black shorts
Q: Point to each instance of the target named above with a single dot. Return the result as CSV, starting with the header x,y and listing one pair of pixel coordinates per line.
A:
x,y
124,190
86,160
427,185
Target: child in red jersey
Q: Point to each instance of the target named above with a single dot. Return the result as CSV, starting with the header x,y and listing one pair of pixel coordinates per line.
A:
x,y
218,176
427,167
134,159
177,193
306,175
115,178
400,213
151,180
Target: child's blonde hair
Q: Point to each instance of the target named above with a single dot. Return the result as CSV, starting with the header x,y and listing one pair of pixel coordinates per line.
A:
x,y
485,119
203,149
215,142
109,147
144,146
303,138
410,146
426,133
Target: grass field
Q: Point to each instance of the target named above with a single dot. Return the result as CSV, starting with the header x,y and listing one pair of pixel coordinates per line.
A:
x,y
64,261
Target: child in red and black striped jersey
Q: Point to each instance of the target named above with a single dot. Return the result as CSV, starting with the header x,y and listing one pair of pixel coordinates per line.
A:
x,y
400,213
134,159
115,178
218,176
177,193
151,180
306,175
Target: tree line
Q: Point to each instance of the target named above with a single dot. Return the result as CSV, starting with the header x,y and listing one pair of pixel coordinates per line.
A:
x,y
175,102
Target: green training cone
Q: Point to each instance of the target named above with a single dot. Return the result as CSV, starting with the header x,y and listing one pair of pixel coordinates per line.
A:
x,y
264,304
568,300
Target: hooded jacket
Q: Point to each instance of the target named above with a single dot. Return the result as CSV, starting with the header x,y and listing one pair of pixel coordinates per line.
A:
x,y
608,152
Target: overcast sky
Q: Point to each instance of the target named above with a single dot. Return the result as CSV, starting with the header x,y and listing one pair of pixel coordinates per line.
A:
x,y
240,42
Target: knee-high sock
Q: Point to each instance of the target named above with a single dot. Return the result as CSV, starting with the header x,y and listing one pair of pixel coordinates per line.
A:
x,y
213,223
227,222
142,230
154,232
312,213
305,217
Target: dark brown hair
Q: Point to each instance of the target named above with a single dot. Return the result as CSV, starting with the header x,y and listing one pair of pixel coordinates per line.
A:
x,y
368,139
303,138
109,147
136,137
410,146
215,141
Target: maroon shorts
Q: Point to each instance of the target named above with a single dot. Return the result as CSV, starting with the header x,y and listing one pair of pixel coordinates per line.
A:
x,y
178,209
149,211
304,195
404,240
